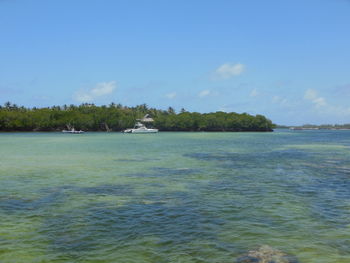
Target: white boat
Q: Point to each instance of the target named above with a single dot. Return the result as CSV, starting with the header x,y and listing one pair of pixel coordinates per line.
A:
x,y
74,131
140,128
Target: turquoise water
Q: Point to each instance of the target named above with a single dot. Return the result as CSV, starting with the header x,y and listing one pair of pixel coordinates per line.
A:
x,y
174,197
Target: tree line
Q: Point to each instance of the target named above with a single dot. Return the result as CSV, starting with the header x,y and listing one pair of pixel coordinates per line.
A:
x,y
116,117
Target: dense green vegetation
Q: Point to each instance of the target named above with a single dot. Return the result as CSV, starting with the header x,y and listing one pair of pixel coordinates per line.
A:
x,y
117,117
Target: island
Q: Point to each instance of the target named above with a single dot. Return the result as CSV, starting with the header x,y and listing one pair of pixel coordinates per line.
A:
x,y
116,117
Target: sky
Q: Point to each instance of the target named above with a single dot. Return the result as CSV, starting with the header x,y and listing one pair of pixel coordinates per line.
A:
x,y
288,60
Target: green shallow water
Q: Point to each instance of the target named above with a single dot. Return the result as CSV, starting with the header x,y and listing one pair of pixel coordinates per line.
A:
x,y
174,197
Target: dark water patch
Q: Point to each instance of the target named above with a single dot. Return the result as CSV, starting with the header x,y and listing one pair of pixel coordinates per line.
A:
x,y
104,189
68,233
175,171
338,166
141,159
174,224
341,244
325,190
229,156
322,183
251,160
331,213
142,175
177,198
157,185
61,188
52,196
56,191
163,172
108,189
243,186
341,170
329,204
18,205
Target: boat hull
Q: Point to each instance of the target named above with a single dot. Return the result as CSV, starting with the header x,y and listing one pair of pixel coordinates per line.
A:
x,y
141,131
73,132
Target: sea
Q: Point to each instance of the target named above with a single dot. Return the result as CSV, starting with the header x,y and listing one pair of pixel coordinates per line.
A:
x,y
199,197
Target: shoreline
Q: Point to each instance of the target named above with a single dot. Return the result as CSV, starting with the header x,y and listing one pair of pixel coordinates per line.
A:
x,y
122,131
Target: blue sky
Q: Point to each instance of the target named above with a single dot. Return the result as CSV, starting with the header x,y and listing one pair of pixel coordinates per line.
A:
x,y
288,60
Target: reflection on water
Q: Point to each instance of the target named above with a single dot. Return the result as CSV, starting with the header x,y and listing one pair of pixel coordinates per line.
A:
x,y
175,197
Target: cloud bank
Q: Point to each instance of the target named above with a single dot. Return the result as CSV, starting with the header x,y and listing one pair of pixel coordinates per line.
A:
x,y
321,106
204,93
254,93
312,96
171,95
228,70
101,89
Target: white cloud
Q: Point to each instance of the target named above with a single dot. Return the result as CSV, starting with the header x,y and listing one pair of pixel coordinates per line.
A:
x,y
279,100
204,93
254,93
320,102
226,108
323,107
171,95
276,99
101,89
312,95
83,97
228,70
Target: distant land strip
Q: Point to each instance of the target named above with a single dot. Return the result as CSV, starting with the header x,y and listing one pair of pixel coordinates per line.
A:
x,y
116,117
317,127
